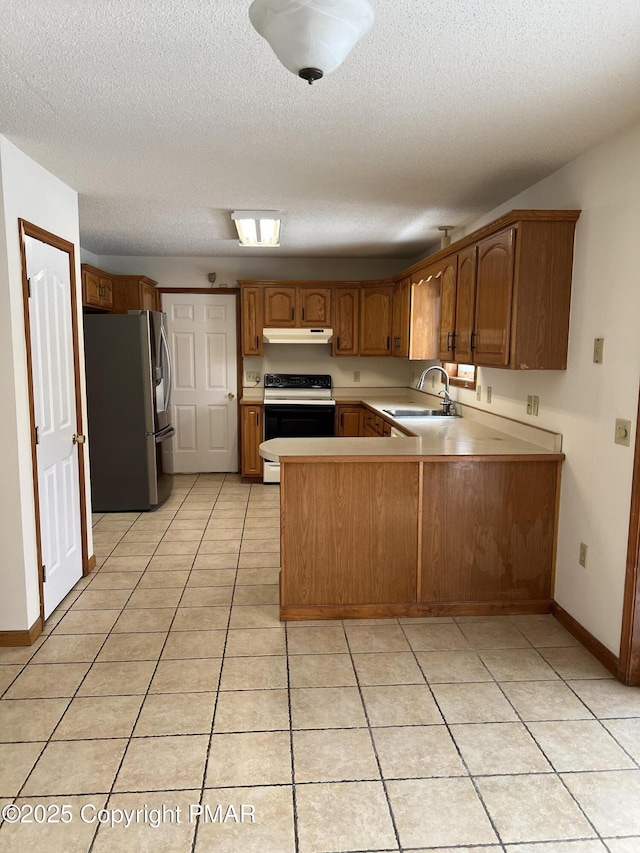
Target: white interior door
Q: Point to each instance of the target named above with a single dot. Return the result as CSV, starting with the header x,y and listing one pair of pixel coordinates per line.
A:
x,y
55,416
202,339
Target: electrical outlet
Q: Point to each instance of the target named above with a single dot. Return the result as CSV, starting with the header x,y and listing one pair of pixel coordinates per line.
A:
x,y
252,376
582,559
356,376
489,393
535,406
598,350
529,405
623,432
479,392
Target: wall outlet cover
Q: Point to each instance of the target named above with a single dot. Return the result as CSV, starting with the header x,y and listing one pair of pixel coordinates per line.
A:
x,y
535,406
479,392
356,376
489,392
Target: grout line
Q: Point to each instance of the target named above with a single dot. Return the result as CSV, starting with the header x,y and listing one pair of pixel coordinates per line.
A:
x,y
218,691
372,741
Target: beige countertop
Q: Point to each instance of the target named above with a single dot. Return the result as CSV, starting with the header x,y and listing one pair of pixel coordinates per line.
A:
x,y
451,437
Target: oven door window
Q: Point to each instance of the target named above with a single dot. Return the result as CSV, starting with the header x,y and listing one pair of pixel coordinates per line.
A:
x,y
298,421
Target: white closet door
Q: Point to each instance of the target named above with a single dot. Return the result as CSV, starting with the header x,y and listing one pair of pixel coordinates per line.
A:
x,y
55,415
202,339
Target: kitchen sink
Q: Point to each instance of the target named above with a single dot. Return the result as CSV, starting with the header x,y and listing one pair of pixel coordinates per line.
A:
x,y
417,413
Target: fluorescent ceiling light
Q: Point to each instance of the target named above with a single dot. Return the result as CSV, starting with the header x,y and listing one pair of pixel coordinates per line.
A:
x,y
258,228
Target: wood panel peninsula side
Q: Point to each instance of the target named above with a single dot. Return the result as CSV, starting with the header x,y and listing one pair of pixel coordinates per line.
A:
x,y
458,521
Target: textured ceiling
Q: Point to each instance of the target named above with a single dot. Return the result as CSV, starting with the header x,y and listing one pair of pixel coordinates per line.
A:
x,y
166,116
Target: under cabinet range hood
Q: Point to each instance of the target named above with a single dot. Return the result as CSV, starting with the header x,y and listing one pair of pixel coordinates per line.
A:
x,y
297,336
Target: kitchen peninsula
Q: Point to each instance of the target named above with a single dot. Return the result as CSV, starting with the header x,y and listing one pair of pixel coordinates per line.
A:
x,y
459,518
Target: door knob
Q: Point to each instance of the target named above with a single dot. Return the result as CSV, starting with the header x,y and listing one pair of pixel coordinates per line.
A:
x,y
78,438
230,395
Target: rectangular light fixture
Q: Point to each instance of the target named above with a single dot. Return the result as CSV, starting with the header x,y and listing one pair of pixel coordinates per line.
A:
x,y
258,228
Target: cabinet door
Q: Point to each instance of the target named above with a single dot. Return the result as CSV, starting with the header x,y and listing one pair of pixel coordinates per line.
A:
x,y
279,307
106,293
369,424
401,310
348,420
465,305
376,305
251,303
314,307
424,315
346,321
251,420
91,289
448,281
494,291
148,297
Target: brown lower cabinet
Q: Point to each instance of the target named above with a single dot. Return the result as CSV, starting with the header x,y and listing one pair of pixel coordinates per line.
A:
x,y
251,432
405,537
354,420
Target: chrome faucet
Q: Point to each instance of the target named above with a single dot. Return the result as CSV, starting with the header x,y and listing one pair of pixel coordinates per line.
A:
x,y
447,405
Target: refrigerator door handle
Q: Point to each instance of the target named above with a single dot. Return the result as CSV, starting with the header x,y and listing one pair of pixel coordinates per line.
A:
x,y
165,343
165,433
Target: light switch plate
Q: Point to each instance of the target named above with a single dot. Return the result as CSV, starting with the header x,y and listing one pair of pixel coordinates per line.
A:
x,y
598,350
479,392
489,393
529,405
356,376
535,406
623,432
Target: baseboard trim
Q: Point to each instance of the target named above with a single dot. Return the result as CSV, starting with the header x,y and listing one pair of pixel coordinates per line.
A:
x,y
22,638
597,649
90,565
295,612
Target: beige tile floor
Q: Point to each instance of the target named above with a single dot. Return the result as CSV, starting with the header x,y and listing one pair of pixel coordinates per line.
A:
x,y
165,682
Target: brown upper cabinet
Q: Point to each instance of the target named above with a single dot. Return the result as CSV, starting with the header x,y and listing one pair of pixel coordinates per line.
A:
x,y
97,288
376,307
505,292
134,293
252,307
416,316
288,306
346,321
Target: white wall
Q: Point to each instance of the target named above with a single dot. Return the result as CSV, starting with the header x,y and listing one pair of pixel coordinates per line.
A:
x,y
192,271
316,358
584,401
29,192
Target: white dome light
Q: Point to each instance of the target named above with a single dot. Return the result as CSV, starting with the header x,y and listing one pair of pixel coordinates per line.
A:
x,y
312,38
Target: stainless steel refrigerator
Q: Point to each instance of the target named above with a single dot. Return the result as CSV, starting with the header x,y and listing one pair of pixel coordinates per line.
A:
x,y
128,370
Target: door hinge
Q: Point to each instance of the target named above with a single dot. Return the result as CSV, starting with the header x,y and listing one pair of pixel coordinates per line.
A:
x,y
37,435
29,288
44,573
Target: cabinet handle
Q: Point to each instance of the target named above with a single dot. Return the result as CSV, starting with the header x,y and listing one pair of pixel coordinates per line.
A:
x,y
293,313
388,342
257,342
338,343
257,418
451,337
303,315
474,336
342,419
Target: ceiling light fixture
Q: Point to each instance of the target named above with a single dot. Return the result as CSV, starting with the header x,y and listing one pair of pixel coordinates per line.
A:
x,y
258,228
312,38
